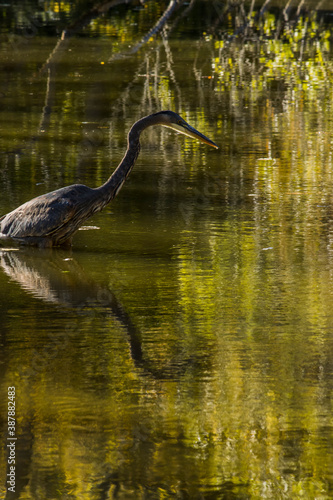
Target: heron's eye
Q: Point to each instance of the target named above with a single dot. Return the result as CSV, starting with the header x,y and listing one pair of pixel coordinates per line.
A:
x,y
180,122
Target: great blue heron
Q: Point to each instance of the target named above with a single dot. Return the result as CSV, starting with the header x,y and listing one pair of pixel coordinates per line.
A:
x,y
51,219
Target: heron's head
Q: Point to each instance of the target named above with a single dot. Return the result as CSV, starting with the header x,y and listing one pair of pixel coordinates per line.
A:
x,y
177,123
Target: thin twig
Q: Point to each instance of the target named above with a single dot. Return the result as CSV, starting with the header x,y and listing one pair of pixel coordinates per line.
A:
x,y
285,11
264,7
299,8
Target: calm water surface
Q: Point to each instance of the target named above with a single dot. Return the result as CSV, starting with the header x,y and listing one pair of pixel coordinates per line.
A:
x,y
183,347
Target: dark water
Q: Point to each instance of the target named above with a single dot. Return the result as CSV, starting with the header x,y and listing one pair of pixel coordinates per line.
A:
x,y
183,347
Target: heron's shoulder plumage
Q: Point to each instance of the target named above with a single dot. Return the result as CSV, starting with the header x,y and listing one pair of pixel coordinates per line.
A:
x,y
43,215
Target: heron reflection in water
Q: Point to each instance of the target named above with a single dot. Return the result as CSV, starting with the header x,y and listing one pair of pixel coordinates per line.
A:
x,y
51,219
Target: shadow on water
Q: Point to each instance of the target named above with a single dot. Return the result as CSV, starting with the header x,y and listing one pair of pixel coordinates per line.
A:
x,y
56,278
60,280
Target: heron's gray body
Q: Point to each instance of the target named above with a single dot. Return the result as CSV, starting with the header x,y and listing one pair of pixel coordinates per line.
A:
x,y
59,214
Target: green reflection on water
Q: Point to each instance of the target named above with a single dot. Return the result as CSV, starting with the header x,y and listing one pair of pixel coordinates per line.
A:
x,y
183,349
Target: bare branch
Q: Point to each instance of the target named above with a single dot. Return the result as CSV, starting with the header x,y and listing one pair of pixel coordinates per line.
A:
x,y
155,29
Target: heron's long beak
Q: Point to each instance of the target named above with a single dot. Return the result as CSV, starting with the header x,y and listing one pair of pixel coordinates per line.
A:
x,y
186,129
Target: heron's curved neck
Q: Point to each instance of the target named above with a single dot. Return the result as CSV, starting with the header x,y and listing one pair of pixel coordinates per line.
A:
x,y
112,186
